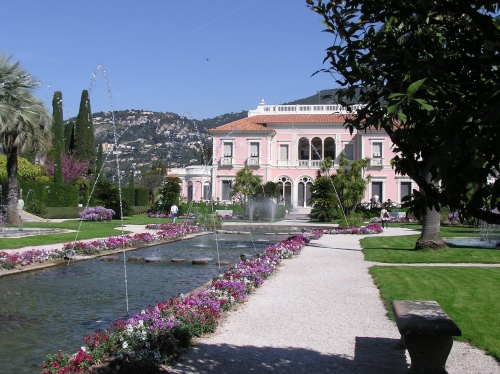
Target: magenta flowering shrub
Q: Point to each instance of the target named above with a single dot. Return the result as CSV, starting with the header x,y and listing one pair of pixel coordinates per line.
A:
x,y
371,228
97,213
62,363
157,334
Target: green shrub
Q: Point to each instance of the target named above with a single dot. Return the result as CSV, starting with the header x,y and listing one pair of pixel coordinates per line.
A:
x,y
62,212
140,209
141,196
353,220
35,206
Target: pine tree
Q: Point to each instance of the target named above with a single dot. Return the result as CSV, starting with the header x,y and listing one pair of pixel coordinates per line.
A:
x,y
57,135
84,133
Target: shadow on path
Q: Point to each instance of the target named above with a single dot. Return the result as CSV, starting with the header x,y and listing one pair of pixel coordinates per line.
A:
x,y
372,355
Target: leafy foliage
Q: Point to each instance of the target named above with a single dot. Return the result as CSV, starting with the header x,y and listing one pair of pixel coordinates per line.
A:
x,y
169,195
35,206
108,195
428,74
27,171
24,125
244,187
336,195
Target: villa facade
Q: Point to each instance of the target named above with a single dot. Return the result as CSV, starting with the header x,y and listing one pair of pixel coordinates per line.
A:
x,y
286,144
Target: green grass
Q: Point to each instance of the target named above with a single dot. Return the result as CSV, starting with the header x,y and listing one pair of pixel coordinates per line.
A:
x,y
400,249
88,230
470,296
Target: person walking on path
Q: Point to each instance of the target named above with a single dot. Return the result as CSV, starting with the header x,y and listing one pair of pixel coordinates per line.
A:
x,y
384,216
173,212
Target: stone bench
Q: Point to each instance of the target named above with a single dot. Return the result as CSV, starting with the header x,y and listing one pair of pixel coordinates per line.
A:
x,y
427,333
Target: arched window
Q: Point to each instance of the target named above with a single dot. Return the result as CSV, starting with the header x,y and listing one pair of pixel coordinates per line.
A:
x,y
190,191
304,191
316,149
285,186
303,149
329,148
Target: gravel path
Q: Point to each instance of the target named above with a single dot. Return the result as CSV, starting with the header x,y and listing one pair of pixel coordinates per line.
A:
x,y
320,313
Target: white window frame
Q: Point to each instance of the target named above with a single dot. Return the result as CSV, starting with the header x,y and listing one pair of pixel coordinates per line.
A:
x,y
349,144
284,162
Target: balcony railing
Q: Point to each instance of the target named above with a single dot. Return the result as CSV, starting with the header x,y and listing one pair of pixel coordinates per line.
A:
x,y
303,109
309,163
226,161
253,161
376,162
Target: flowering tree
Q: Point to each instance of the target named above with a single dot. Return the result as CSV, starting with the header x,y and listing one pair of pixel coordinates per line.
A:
x,y
72,168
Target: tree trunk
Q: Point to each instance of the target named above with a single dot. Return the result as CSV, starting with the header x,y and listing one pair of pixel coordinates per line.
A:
x,y
12,188
431,231
431,225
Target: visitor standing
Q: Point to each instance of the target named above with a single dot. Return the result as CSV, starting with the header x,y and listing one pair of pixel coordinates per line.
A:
x,y
173,212
384,216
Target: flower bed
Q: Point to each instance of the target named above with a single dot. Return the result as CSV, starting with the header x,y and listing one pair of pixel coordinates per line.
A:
x,y
371,228
9,261
168,231
159,333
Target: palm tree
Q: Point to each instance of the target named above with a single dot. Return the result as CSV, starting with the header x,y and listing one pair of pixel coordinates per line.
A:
x,y
24,125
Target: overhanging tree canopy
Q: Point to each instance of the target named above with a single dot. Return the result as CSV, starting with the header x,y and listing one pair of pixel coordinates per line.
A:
x,y
428,74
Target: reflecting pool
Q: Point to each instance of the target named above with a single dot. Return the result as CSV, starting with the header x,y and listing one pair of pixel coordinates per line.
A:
x,y
55,308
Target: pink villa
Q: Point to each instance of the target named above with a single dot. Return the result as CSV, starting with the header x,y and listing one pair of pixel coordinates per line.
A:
x,y
286,144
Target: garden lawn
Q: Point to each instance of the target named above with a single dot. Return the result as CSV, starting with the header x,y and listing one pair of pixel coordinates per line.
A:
x,y
470,296
400,249
88,230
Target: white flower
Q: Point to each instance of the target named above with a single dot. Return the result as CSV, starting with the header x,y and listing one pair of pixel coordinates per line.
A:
x,y
125,345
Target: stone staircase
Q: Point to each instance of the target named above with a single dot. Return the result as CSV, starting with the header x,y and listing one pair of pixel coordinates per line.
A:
x,y
299,213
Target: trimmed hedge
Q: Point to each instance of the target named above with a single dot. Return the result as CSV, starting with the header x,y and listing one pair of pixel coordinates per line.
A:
x,y
53,194
137,197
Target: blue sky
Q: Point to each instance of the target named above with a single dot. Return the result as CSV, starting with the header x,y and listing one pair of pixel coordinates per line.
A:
x,y
197,58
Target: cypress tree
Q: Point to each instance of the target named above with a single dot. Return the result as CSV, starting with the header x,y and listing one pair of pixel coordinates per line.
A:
x,y
131,187
84,133
69,137
57,135
131,183
99,163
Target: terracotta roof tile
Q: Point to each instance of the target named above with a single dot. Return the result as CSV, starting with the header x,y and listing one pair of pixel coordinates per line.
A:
x,y
261,122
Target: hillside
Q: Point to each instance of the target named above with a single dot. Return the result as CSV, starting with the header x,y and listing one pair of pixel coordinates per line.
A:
x,y
147,138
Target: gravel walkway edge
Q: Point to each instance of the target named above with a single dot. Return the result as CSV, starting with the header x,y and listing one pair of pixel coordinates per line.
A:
x,y
319,313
